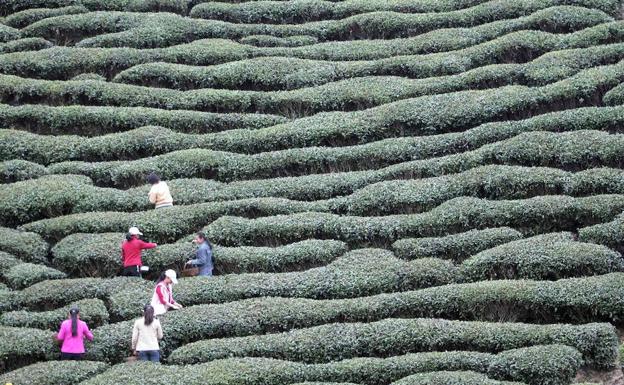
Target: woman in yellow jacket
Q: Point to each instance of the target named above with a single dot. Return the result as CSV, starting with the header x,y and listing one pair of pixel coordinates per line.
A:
x,y
159,193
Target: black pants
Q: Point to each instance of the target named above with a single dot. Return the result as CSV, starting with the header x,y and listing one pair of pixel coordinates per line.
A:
x,y
132,271
71,356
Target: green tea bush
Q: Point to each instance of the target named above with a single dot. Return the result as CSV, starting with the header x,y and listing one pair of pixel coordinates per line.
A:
x,y
451,378
17,170
597,342
54,373
160,30
98,255
50,295
358,273
455,246
272,41
577,300
92,311
610,234
28,44
549,256
180,6
89,76
535,215
311,10
615,96
26,17
24,346
93,121
8,33
27,246
27,274
166,225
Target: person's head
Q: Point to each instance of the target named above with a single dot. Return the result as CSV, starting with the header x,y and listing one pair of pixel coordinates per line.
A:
x,y
148,314
133,232
74,314
152,178
171,277
200,237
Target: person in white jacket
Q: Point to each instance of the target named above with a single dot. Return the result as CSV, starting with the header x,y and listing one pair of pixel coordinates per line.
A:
x,y
145,336
162,299
159,194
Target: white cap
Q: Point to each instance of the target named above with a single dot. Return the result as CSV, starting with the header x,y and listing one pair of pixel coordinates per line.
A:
x,y
134,231
171,274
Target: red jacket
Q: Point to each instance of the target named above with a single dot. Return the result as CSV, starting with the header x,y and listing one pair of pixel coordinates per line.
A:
x,y
131,251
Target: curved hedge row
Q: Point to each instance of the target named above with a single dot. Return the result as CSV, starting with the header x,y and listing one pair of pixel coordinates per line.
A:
x,y
455,246
615,96
272,41
28,246
28,44
358,273
94,120
364,370
26,17
26,274
98,255
24,346
455,70
580,300
166,225
66,62
284,12
17,170
535,215
54,373
9,7
491,182
9,33
92,311
610,234
549,256
597,342
451,378
337,129
128,32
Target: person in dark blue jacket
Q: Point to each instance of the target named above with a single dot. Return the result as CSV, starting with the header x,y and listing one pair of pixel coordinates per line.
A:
x,y
204,259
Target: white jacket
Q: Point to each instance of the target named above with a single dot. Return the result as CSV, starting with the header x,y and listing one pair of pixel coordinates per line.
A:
x,y
167,296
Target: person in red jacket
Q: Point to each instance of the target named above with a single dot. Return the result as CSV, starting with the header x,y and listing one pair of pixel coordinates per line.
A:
x,y
131,252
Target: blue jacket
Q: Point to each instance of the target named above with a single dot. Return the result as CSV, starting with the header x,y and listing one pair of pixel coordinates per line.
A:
x,y
203,260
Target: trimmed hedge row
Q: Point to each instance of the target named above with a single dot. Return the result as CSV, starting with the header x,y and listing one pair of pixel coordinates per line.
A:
x,y
9,7
610,234
368,371
535,215
98,255
26,17
166,225
358,273
17,170
491,182
462,69
451,378
9,33
28,44
160,30
337,129
27,246
455,246
24,346
597,342
549,256
92,311
66,62
615,96
54,373
580,300
284,12
94,121
272,41
23,275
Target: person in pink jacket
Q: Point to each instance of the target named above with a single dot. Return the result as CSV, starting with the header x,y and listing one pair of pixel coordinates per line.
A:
x,y
72,334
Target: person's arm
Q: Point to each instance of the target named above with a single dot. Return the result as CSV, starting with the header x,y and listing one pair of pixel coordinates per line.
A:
x,y
87,333
159,331
147,245
202,257
153,194
135,336
61,334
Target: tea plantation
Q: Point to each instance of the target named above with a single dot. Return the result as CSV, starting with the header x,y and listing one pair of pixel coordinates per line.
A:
x,y
399,192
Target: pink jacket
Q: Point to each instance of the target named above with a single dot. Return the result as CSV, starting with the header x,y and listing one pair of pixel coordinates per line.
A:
x,y
73,344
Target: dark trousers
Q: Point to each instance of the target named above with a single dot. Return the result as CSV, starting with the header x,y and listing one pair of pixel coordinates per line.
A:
x,y
149,355
132,271
71,356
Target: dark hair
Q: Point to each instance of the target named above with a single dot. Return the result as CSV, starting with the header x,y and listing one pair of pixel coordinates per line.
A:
x,y
73,313
128,237
162,277
202,235
148,314
152,178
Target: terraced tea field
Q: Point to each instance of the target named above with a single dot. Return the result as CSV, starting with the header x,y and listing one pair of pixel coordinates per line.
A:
x,y
405,192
